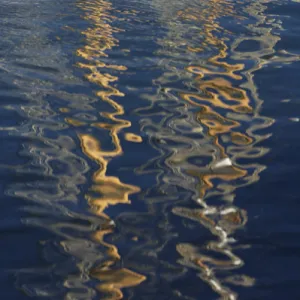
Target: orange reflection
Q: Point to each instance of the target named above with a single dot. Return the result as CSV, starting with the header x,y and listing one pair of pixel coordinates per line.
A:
x,y
226,97
112,190
215,122
215,91
106,190
115,280
131,137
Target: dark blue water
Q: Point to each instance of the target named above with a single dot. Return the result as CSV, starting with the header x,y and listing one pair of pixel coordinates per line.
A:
x,y
149,149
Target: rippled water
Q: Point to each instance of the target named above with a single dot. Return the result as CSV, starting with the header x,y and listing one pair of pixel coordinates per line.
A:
x,y
149,149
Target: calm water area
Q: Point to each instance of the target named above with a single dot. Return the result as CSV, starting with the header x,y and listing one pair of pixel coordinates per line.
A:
x,y
149,149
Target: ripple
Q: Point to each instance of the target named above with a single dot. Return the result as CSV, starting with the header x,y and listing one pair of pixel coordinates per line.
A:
x,y
129,130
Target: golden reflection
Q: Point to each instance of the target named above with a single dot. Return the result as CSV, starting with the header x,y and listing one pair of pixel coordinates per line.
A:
x,y
203,119
215,91
106,190
215,122
219,93
115,280
74,122
134,138
111,189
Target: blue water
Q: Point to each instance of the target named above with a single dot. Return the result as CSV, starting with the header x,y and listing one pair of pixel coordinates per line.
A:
x,y
149,149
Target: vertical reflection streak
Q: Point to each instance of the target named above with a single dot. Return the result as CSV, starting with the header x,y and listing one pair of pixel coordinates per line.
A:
x,y
106,190
209,118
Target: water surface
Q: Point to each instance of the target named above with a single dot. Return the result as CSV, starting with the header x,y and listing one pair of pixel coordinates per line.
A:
x,y
149,149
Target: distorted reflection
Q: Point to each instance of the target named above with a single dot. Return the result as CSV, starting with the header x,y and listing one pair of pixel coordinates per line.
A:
x,y
56,170
106,190
203,121
201,130
52,173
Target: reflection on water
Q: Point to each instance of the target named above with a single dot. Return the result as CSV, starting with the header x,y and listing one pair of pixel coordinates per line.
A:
x,y
201,119
106,190
56,169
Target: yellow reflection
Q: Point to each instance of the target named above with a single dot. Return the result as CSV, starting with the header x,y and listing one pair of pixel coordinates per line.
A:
x,y
115,280
213,124
229,174
111,189
74,122
230,100
215,91
106,190
131,137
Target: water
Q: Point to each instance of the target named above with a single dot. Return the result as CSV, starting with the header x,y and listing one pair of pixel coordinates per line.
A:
x,y
149,149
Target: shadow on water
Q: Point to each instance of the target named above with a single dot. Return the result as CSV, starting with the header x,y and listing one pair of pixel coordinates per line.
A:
x,y
152,104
